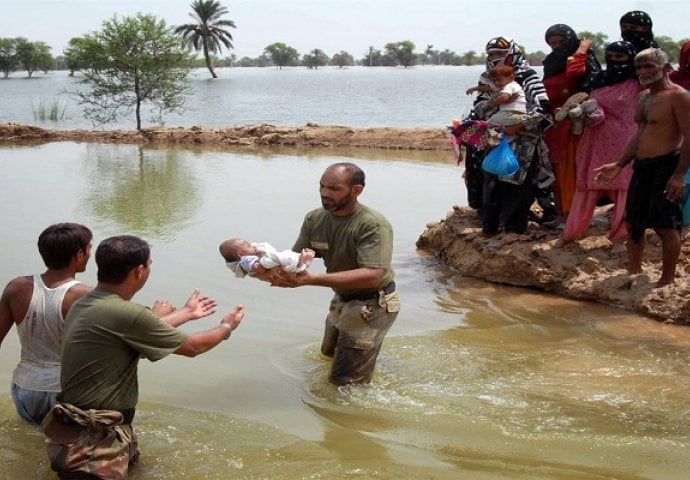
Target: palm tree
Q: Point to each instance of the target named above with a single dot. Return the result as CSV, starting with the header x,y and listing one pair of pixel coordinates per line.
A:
x,y
208,33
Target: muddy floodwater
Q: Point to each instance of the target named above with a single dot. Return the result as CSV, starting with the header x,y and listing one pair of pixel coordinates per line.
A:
x,y
475,381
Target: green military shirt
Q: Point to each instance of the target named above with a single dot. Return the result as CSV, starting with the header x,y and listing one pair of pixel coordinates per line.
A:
x,y
104,338
363,239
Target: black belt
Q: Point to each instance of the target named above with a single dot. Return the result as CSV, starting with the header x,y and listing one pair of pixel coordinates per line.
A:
x,y
367,294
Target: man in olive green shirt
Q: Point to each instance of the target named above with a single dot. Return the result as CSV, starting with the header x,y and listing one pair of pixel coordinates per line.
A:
x,y
356,244
89,430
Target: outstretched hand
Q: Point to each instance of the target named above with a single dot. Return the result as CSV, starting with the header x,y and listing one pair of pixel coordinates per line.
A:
x,y
200,306
234,317
162,307
606,173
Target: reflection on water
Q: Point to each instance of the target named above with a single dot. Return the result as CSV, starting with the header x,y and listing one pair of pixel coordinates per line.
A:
x,y
475,381
146,191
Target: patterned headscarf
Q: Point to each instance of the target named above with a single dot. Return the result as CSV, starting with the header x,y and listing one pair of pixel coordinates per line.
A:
x,y
510,53
641,39
682,75
616,71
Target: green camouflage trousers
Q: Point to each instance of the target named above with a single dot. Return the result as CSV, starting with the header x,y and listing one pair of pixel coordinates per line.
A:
x,y
89,443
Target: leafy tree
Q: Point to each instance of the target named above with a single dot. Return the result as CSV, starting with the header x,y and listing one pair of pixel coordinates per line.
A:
x,y
32,56
342,59
315,59
448,57
130,62
78,50
8,56
401,52
430,55
248,62
599,42
371,54
281,54
372,57
670,46
468,57
208,34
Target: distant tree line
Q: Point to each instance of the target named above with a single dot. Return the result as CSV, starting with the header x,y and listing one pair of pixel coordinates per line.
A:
x,y
20,54
140,61
209,33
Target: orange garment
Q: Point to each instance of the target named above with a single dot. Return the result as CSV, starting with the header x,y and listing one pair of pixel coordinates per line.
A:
x,y
562,149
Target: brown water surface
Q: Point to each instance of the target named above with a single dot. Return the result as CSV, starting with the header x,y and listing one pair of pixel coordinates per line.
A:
x,y
475,381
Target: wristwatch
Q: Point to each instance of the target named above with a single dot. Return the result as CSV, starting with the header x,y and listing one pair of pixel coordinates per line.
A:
x,y
228,326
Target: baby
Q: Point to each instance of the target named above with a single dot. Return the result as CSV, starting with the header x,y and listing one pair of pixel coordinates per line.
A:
x,y
506,94
246,258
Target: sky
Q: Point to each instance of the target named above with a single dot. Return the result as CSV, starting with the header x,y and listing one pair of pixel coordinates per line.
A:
x,y
352,25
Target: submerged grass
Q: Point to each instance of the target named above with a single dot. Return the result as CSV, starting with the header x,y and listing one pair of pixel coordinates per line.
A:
x,y
49,110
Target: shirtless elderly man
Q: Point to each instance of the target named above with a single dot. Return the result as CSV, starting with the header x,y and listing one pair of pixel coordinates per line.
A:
x,y
661,153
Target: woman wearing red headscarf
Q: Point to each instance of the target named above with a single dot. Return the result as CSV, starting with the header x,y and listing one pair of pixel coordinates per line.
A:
x,y
571,60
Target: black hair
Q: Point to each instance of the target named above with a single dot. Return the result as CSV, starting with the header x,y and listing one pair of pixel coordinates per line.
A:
x,y
354,173
59,243
116,256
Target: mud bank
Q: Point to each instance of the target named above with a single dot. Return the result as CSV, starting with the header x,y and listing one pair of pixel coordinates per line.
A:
x,y
586,269
310,135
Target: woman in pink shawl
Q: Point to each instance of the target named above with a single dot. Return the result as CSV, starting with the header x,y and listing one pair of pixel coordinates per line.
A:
x,y
610,129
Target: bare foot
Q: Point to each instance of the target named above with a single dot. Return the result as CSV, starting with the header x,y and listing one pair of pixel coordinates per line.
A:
x,y
559,243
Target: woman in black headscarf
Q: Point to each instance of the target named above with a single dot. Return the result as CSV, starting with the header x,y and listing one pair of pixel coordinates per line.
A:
x,y
636,28
620,66
610,128
571,60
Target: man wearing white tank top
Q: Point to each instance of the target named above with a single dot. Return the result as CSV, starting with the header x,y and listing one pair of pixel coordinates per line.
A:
x,y
38,305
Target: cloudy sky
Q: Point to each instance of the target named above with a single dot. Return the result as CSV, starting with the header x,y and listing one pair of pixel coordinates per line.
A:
x,y
352,25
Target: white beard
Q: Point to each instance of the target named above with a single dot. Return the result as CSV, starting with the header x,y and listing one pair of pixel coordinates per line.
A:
x,y
648,81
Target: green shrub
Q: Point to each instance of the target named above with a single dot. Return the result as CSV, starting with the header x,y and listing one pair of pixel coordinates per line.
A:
x,y
53,110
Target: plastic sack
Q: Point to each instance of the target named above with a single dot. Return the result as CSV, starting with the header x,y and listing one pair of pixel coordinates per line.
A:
x,y
501,160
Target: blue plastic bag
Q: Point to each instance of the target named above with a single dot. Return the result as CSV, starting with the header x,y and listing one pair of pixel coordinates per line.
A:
x,y
501,160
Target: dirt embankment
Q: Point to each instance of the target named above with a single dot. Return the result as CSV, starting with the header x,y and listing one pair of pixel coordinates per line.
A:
x,y
585,269
310,135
